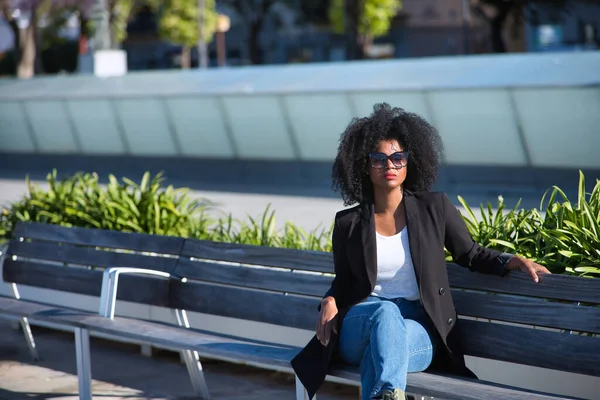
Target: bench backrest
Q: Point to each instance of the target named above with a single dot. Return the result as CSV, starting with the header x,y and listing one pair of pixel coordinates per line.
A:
x,y
73,260
272,285
498,315
284,287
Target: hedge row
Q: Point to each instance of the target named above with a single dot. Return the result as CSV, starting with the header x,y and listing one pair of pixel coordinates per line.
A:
x,y
561,235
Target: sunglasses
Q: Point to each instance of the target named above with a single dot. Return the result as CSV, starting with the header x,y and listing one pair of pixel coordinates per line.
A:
x,y
380,160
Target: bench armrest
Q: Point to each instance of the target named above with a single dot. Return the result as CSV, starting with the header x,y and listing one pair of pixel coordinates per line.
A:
x,y
110,284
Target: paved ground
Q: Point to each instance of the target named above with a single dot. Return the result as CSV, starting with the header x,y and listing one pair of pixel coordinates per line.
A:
x,y
121,373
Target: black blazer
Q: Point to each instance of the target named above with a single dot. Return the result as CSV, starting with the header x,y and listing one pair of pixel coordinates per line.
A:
x,y
433,223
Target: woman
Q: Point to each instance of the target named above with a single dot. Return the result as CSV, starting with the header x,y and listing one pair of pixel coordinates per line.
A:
x,y
389,308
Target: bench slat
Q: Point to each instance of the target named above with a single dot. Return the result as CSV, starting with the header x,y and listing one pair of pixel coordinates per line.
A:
x,y
254,305
537,347
138,289
34,310
99,238
258,278
315,261
528,310
89,256
559,287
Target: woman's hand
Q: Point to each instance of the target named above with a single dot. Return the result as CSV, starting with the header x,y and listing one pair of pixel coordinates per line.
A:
x,y
327,320
527,266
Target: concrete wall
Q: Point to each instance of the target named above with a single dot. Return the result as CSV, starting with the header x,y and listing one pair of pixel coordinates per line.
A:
x,y
539,110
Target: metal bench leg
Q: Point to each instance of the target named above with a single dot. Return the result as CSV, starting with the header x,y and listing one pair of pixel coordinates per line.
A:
x,y
192,361
301,393
26,327
84,368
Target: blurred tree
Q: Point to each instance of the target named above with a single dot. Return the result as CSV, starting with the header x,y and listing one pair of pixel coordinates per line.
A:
x,y
497,12
362,21
28,13
121,12
179,20
253,12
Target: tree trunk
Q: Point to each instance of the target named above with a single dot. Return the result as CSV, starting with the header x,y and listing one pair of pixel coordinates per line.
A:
x,y
365,43
39,65
497,28
114,43
186,57
15,27
354,40
27,48
254,50
202,44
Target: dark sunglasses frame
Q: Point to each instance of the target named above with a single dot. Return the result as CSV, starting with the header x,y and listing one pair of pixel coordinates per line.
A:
x,y
403,153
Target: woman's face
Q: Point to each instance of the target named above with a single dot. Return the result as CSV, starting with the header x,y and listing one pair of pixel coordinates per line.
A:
x,y
387,165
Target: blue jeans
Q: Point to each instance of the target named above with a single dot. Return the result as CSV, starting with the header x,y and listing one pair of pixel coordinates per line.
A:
x,y
388,338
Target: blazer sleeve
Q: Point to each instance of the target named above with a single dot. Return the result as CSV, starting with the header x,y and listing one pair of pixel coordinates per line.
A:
x,y
465,252
340,264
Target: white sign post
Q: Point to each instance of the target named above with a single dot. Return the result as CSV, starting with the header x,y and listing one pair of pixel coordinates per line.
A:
x,y
105,60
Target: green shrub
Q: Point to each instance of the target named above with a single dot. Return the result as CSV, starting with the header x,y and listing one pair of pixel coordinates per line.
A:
x,y
573,230
261,232
125,206
565,237
149,207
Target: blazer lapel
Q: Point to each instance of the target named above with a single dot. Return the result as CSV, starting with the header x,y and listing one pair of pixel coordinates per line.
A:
x,y
369,242
412,222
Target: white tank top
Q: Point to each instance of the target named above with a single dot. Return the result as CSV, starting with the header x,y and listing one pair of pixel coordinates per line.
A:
x,y
395,270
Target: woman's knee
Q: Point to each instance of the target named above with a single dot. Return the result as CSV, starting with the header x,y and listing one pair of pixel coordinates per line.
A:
x,y
386,311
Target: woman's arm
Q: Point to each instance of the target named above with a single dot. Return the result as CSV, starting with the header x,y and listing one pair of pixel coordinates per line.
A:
x,y
464,250
467,253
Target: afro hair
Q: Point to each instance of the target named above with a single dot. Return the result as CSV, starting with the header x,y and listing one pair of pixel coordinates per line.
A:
x,y
415,134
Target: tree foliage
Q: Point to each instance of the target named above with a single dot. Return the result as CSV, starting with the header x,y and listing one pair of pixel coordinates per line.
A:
x,y
179,21
361,21
374,20
121,12
28,52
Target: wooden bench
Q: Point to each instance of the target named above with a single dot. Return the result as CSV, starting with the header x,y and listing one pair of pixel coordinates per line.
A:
x,y
88,262
283,287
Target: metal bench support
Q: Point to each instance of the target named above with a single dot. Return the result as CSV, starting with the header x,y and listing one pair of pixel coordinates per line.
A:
x,y
26,328
301,393
24,321
192,361
84,367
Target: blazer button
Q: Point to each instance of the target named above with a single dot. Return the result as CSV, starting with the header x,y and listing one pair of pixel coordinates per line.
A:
x,y
450,321
442,291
